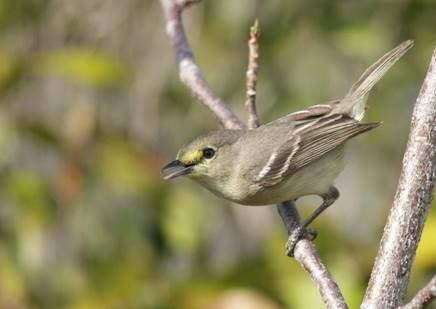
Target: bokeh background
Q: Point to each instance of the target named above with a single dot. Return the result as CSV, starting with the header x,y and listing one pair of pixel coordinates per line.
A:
x,y
91,108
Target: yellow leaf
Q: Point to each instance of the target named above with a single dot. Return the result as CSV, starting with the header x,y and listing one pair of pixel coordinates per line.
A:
x,y
426,254
82,65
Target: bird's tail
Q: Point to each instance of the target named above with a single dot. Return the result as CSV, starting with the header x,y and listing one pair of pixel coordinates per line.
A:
x,y
354,102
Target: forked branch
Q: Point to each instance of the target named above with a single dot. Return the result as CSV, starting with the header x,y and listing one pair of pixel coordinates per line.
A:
x,y
190,74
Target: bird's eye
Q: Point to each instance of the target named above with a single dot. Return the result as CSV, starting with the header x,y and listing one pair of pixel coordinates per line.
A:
x,y
208,153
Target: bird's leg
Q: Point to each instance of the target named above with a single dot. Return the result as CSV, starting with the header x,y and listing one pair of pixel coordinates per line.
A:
x,y
327,199
300,231
291,218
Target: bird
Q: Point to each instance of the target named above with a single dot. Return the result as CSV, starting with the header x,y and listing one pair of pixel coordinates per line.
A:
x,y
299,154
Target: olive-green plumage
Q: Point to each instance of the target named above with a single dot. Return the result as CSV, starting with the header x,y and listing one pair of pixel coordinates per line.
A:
x,y
297,155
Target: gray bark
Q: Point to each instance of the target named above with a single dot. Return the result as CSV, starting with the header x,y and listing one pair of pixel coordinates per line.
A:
x,y
391,271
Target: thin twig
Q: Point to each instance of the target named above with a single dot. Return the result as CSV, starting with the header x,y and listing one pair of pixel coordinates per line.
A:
x,y
306,254
190,74
253,56
424,297
189,71
390,275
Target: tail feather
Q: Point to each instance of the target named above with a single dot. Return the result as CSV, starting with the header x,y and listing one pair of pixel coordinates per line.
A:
x,y
354,102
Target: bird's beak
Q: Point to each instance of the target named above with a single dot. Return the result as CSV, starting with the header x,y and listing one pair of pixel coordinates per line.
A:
x,y
175,169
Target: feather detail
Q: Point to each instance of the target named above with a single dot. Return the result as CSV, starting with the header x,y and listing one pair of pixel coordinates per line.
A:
x,y
308,142
354,103
279,161
313,111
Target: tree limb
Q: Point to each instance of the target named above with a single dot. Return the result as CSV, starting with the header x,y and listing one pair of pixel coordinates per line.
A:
x,y
306,254
189,72
424,297
390,274
253,56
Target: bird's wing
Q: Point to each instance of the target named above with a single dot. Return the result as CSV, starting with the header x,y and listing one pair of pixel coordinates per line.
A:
x,y
307,142
308,114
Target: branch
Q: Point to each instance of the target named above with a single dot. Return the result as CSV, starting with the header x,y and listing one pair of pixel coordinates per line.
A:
x,y
190,73
304,251
390,274
424,297
306,254
253,56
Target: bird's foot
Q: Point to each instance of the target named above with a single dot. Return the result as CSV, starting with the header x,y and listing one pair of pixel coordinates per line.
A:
x,y
296,235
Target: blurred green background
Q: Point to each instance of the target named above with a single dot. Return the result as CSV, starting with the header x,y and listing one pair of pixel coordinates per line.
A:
x,y
91,107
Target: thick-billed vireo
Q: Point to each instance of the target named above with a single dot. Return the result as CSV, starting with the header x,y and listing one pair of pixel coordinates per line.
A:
x,y
299,154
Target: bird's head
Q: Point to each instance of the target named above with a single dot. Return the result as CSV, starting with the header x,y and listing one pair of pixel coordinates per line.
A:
x,y
207,156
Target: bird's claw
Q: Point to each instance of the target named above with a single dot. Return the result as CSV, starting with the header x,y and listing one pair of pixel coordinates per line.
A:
x,y
311,234
296,235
